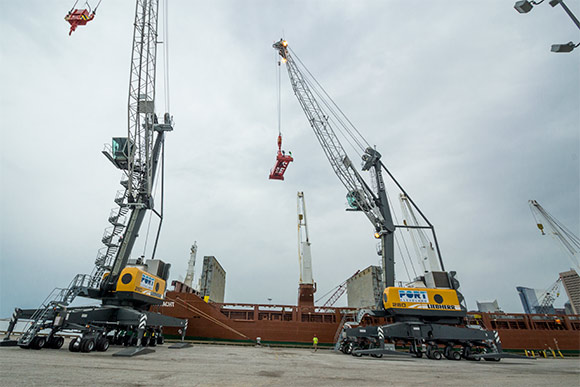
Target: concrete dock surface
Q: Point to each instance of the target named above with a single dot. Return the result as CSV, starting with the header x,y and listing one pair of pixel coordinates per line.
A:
x,y
224,365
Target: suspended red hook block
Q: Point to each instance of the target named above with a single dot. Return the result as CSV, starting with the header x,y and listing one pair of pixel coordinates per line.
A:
x,y
282,162
78,17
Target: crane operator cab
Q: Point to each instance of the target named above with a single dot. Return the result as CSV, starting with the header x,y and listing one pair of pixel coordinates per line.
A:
x,y
141,283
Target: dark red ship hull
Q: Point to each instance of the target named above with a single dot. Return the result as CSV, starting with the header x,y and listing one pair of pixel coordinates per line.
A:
x,y
295,325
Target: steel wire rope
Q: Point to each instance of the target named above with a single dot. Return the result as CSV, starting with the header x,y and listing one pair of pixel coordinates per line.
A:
x,y
330,98
279,96
166,55
330,118
314,86
155,187
404,240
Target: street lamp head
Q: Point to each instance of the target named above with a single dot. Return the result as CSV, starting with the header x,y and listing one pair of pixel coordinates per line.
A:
x,y
567,47
523,6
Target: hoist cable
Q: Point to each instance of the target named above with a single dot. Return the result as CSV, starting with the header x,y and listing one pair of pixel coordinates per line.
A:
x,y
331,100
325,100
404,241
338,127
279,98
155,187
166,54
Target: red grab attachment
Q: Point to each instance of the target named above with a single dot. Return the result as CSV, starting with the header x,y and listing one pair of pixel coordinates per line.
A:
x,y
282,161
78,17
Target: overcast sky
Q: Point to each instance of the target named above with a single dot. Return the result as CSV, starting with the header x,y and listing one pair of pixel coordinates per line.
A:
x,y
471,111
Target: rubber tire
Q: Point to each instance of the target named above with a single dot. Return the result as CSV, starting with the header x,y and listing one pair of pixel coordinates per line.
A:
x,y
349,347
38,342
455,355
160,339
152,341
356,354
436,355
145,341
102,345
74,345
87,345
448,352
496,359
57,342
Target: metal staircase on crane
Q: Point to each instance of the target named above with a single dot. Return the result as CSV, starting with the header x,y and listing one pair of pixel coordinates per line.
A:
x,y
56,301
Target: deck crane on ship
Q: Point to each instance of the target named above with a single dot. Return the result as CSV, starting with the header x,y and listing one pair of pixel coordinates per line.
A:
x,y
430,319
307,286
125,287
549,225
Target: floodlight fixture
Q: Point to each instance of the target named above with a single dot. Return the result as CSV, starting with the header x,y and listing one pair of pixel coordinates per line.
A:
x,y
567,47
523,6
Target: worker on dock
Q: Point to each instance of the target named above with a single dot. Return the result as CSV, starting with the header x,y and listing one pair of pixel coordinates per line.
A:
x,y
315,343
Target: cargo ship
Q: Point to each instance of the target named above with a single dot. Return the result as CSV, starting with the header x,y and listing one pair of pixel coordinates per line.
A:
x,y
298,324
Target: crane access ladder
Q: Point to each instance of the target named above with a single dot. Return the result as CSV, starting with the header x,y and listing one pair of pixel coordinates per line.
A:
x,y
47,314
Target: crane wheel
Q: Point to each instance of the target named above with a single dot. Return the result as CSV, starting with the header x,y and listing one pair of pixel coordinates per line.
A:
x,y
160,339
102,344
87,345
492,359
436,355
75,345
56,342
455,355
38,342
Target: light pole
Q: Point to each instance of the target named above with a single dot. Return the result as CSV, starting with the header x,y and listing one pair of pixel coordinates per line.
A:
x,y
525,6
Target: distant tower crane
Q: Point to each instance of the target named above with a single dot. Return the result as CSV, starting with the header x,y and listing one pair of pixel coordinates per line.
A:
x,y
307,286
191,265
568,241
546,301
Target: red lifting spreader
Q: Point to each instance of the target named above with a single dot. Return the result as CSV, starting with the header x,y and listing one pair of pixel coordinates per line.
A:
x,y
282,161
78,17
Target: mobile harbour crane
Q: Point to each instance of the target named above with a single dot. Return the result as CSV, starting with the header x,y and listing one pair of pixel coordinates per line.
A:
x,y
126,287
428,317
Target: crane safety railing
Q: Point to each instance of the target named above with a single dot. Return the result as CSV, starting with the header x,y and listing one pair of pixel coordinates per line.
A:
x,y
57,300
117,216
